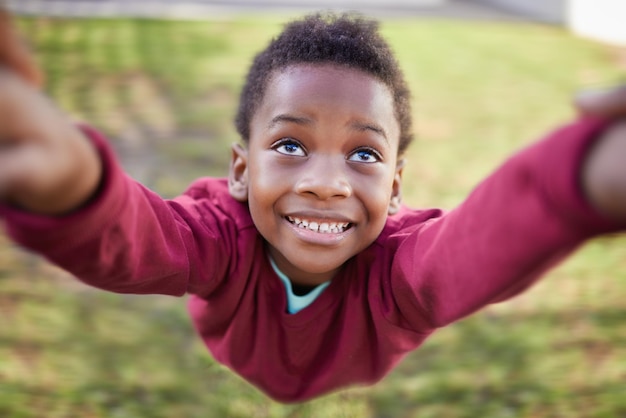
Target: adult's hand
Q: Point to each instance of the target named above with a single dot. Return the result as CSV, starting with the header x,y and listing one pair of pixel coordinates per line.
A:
x,y
14,54
609,102
604,170
47,166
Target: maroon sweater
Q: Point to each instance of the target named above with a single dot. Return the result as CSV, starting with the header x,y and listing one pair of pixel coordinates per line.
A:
x,y
426,269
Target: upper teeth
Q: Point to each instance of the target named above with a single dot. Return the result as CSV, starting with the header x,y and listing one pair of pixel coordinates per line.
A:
x,y
323,227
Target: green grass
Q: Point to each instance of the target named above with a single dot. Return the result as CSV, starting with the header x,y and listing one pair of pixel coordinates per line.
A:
x,y
166,93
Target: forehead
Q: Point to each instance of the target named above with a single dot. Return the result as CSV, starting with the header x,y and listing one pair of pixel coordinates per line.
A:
x,y
328,81
317,89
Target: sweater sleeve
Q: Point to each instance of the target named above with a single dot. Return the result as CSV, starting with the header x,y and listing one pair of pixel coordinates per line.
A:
x,y
520,221
127,239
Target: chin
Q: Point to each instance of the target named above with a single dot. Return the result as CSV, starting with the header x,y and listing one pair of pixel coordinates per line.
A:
x,y
314,273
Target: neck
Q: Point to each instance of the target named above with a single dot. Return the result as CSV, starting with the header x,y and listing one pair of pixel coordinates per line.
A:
x,y
300,281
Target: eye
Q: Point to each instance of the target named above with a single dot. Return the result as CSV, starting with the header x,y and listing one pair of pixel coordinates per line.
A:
x,y
288,146
365,155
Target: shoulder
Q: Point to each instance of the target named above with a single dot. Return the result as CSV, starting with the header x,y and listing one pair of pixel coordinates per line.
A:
x,y
405,227
209,187
407,222
209,197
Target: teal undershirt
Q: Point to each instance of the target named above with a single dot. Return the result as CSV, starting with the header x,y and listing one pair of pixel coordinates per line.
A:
x,y
296,303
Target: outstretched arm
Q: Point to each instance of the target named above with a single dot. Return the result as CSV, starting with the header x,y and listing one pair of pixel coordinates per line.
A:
x,y
63,195
603,175
532,212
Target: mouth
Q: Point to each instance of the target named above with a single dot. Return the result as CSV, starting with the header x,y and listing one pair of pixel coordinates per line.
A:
x,y
322,227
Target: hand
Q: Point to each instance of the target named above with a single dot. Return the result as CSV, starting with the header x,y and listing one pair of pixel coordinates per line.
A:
x,y
610,103
14,54
604,169
46,165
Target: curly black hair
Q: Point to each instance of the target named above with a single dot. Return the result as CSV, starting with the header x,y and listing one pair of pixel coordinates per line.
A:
x,y
341,39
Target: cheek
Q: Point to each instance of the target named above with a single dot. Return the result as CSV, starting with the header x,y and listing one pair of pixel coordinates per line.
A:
x,y
375,191
265,185
261,206
263,180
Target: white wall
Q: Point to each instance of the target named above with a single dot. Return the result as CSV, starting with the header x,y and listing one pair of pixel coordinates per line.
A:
x,y
602,20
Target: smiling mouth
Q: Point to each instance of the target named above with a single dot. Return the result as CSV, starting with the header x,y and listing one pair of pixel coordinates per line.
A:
x,y
321,227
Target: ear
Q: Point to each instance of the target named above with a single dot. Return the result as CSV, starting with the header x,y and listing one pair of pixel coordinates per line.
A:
x,y
396,190
238,173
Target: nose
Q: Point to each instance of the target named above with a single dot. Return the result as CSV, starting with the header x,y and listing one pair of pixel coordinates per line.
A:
x,y
325,177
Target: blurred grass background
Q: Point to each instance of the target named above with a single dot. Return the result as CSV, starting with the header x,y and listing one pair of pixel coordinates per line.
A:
x,y
166,91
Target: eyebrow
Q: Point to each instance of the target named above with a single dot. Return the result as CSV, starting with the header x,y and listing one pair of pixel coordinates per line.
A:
x,y
284,117
304,121
365,126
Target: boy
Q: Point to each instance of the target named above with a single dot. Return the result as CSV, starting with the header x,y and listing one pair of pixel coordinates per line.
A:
x,y
306,274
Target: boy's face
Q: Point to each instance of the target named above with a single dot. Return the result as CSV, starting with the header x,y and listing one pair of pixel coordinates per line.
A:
x,y
320,173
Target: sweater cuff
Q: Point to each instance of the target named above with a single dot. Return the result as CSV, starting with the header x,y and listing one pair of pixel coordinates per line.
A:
x,y
569,146
44,232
